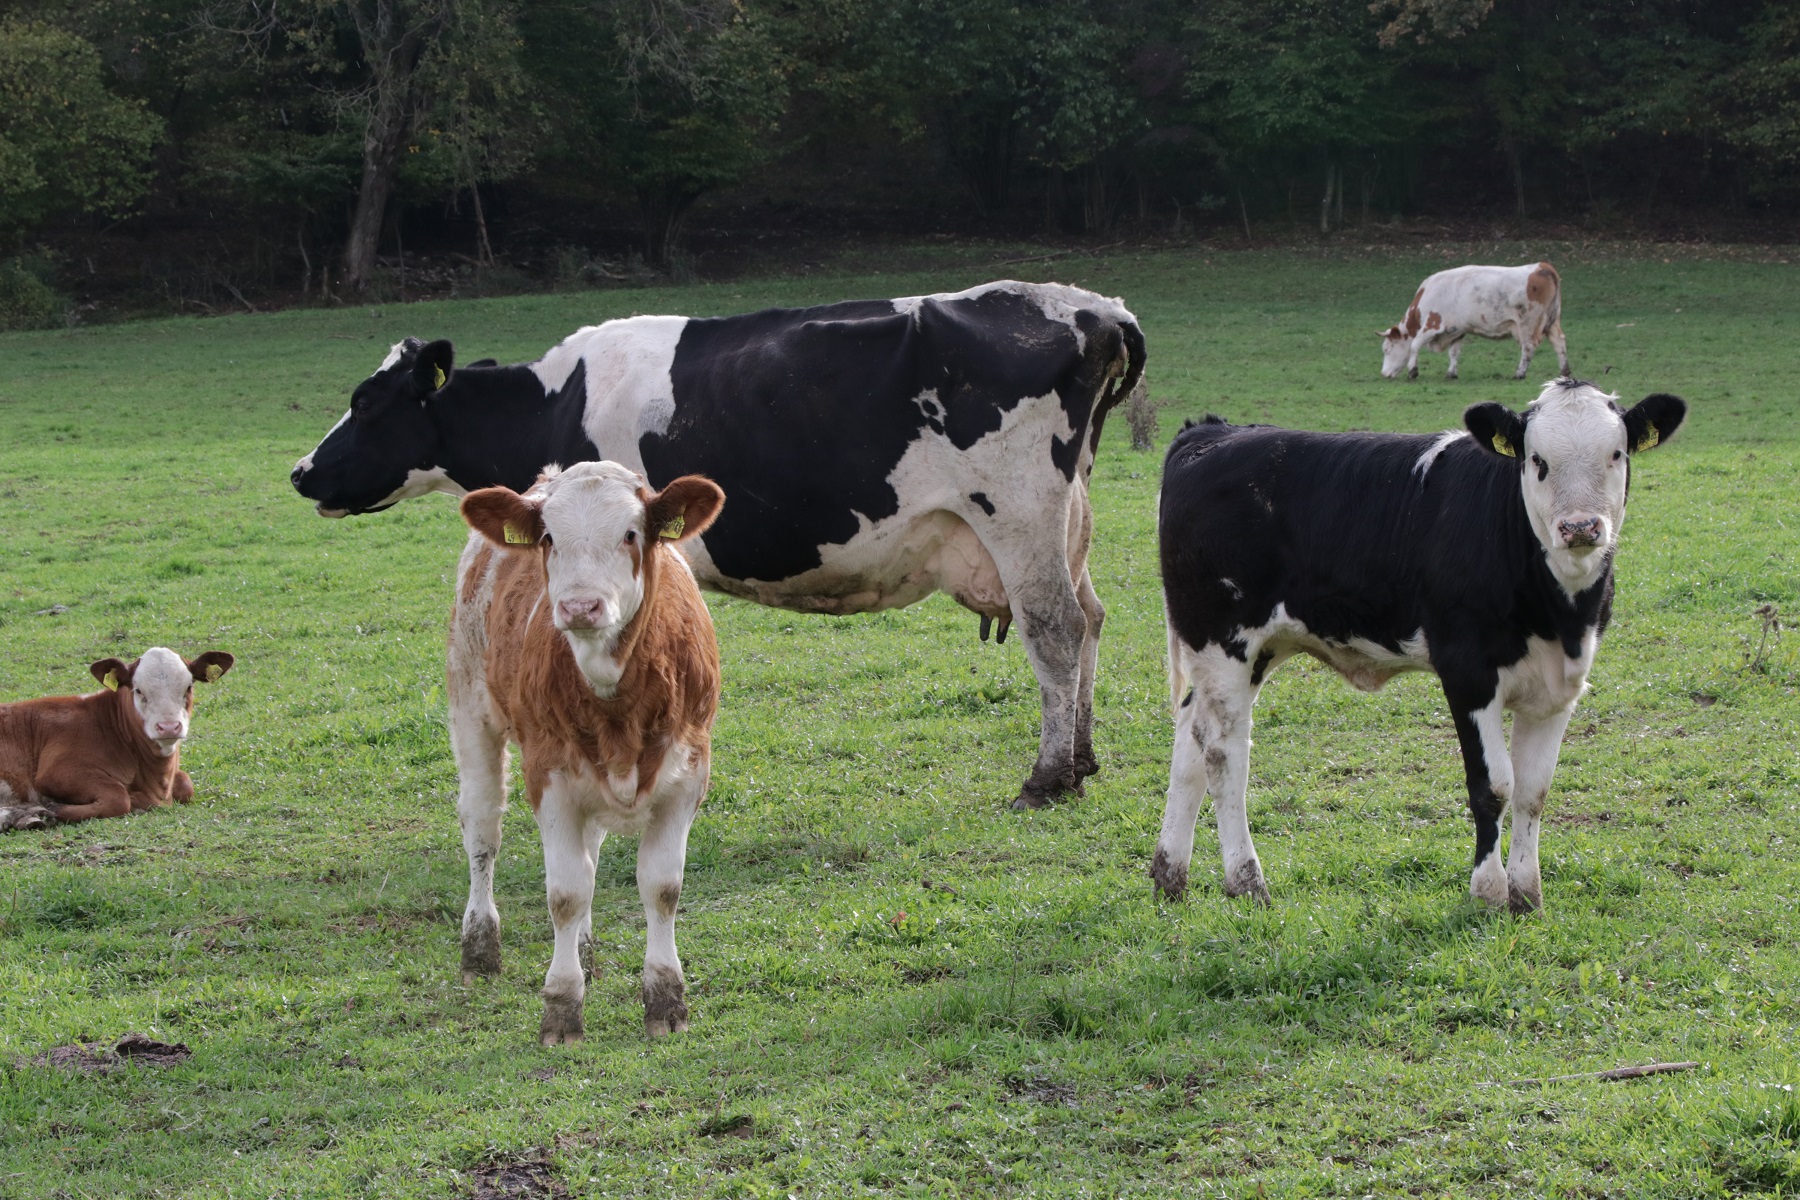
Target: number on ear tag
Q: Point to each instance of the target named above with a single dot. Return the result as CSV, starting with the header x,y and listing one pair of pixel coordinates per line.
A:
x,y
516,536
1502,446
440,376
213,671
676,524
112,680
1648,442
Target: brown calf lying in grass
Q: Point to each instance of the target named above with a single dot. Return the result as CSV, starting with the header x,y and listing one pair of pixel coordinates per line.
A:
x,y
69,758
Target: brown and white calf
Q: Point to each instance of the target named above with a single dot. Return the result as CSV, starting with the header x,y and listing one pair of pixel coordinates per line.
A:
x,y
1489,302
579,634
70,758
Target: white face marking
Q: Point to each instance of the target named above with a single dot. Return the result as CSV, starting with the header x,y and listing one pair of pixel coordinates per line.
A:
x,y
1394,353
393,356
1573,480
594,520
161,689
418,483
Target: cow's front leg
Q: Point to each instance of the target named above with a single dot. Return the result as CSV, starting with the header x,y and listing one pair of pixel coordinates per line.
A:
x,y
662,861
1455,351
569,887
1481,731
584,939
1086,763
1212,753
1054,627
1536,745
480,804
82,795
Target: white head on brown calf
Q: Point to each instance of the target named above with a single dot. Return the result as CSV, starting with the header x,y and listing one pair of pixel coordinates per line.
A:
x,y
158,690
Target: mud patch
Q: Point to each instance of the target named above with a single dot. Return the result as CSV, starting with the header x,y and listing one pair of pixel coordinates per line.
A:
x,y
516,1181
739,1125
1044,1091
94,1058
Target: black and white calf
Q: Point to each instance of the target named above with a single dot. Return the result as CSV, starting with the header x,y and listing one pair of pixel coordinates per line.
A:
x,y
874,451
1484,555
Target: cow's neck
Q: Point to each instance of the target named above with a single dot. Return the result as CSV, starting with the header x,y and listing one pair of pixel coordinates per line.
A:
x,y
127,730
499,427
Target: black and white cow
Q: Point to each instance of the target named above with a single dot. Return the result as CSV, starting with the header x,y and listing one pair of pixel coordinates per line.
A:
x,y
1484,555
874,452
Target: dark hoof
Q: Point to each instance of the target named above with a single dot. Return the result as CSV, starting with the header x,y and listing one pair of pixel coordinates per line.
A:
x,y
1169,878
30,817
1086,764
1413,374
562,1021
1522,902
480,951
1247,880
1045,788
665,1002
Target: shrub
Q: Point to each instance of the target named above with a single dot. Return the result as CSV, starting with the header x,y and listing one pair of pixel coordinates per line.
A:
x,y
26,301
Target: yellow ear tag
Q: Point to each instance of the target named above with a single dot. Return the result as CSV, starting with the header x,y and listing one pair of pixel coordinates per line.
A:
x,y
1649,441
111,681
516,536
1502,446
440,376
213,671
676,524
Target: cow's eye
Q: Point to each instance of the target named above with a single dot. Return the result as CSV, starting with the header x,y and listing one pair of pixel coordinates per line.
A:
x,y
630,536
1618,454
546,541
1543,468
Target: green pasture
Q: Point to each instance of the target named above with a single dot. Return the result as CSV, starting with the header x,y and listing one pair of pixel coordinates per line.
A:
x,y
1031,1023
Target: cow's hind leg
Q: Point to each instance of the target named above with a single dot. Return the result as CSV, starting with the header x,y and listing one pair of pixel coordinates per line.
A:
x,y
480,804
1455,352
662,862
1212,754
1562,347
1085,761
1536,745
1038,582
569,888
1527,344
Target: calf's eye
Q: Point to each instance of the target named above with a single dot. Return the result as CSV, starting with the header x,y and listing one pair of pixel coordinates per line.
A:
x,y
1618,454
630,536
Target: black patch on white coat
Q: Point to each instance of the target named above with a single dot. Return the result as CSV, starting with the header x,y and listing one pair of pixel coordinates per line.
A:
x,y
980,498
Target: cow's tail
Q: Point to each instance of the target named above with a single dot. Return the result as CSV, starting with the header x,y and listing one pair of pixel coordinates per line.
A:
x,y
1122,386
1178,677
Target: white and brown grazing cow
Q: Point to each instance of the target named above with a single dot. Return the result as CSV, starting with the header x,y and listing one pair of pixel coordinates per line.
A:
x,y
70,758
580,635
1488,302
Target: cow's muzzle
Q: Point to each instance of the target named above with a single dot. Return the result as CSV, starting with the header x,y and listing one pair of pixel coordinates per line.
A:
x,y
579,615
1581,533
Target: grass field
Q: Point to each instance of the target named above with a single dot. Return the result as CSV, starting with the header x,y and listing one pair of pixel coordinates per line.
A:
x,y
1036,1026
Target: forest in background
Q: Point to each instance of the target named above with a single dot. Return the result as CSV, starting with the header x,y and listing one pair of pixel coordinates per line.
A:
x,y
203,155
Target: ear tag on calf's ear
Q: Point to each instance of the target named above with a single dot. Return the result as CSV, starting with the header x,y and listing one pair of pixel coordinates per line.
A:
x,y
515,536
1649,441
213,671
1502,446
111,681
440,376
673,529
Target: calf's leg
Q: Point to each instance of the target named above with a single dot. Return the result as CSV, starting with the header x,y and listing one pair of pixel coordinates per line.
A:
x,y
569,888
1455,351
1481,731
480,804
82,795
1212,753
662,861
1562,346
1536,745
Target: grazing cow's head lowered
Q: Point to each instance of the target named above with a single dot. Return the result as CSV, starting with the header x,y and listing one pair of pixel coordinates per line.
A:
x,y
598,526
385,449
158,690
1396,347
1573,446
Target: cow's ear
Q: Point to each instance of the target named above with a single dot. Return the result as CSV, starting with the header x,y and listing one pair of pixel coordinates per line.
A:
x,y
683,509
1497,429
112,673
209,666
1653,420
504,517
433,366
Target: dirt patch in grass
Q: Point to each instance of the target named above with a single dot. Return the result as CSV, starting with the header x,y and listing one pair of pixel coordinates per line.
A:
x,y
93,1058
517,1181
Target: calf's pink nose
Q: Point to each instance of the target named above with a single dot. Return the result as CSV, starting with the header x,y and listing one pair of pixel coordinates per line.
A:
x,y
580,614
1580,533
168,729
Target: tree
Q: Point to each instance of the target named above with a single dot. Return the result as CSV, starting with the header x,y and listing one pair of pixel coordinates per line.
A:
x,y
66,142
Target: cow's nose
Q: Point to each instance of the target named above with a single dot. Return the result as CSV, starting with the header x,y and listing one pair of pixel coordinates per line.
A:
x,y
168,729
297,474
580,614
1580,533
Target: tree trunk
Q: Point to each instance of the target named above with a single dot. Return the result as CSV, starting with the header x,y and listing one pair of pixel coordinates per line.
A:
x,y
386,137
1325,204
1509,146
663,208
